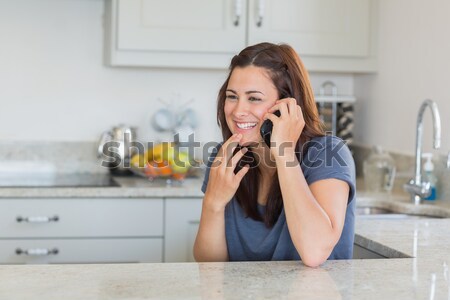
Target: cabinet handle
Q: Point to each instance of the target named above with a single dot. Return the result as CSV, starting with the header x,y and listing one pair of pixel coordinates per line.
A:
x,y
261,7
237,11
37,251
37,219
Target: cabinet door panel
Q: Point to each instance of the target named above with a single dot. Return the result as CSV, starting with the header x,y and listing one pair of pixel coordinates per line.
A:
x,y
180,26
81,218
82,251
182,220
314,27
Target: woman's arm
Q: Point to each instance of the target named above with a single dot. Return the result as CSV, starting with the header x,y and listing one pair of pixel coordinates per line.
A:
x,y
315,214
210,244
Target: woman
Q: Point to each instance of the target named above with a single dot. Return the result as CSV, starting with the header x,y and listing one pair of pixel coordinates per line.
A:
x,y
292,201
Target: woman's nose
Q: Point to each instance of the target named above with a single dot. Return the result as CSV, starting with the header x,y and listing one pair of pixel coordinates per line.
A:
x,y
241,110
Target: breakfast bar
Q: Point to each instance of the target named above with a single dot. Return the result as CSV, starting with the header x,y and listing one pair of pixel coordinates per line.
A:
x,y
412,246
422,274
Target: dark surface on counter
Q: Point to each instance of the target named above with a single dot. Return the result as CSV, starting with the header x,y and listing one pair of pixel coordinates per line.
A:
x,y
59,180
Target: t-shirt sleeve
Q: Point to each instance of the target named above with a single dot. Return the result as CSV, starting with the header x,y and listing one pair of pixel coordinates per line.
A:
x,y
208,166
329,157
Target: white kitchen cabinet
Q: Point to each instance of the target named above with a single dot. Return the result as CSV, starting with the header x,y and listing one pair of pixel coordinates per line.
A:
x,y
181,225
314,27
174,33
330,35
97,250
81,230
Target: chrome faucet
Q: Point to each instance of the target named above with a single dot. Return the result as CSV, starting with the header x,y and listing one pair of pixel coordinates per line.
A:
x,y
415,186
448,160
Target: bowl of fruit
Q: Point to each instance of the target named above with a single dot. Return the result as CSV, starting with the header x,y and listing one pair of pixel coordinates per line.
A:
x,y
164,160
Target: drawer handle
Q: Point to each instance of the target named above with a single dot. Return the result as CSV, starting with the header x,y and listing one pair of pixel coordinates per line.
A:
x,y
37,219
37,251
260,9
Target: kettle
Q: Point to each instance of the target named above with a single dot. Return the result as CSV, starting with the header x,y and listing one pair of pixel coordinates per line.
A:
x,y
118,147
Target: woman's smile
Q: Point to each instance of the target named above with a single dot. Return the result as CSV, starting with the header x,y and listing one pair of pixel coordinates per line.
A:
x,y
249,131
246,126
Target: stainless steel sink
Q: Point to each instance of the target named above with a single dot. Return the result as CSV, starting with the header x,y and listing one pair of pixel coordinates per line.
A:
x,y
384,213
372,211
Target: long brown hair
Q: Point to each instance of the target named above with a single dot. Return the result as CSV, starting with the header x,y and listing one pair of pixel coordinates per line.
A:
x,y
291,80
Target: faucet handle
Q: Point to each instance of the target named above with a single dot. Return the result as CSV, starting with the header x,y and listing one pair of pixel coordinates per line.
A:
x,y
422,189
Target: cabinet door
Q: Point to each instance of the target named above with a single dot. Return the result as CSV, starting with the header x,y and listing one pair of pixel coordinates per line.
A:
x,y
96,217
313,27
181,224
177,32
62,251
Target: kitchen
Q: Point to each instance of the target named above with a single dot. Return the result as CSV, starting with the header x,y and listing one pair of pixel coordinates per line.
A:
x,y
60,94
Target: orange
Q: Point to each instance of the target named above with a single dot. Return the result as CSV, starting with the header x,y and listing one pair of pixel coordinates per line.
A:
x,y
164,168
151,170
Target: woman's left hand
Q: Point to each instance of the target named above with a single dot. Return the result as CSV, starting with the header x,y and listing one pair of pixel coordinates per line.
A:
x,y
287,128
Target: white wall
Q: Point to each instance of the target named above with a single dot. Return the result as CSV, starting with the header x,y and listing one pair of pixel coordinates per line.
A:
x,y
414,64
55,87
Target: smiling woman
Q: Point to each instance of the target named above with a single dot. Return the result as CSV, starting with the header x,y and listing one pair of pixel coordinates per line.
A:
x,y
290,201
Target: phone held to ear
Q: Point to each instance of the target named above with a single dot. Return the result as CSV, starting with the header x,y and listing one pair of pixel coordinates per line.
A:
x,y
266,129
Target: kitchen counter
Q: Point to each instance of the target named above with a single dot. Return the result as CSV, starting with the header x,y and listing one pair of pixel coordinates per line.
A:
x,y
417,268
129,187
425,275
138,187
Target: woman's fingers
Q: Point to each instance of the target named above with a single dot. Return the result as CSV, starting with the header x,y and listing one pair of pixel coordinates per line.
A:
x,y
241,173
292,105
299,111
281,107
286,106
235,159
272,118
226,150
225,172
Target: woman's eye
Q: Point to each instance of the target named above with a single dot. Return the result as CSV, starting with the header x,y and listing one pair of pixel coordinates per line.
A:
x,y
254,99
231,97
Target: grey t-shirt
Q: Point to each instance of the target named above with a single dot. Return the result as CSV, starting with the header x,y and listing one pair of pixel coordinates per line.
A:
x,y
247,239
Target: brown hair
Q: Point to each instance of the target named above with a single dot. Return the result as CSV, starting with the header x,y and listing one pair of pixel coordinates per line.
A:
x,y
291,80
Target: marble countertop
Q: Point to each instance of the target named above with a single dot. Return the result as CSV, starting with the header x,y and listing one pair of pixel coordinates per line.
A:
x,y
424,275
418,267
129,187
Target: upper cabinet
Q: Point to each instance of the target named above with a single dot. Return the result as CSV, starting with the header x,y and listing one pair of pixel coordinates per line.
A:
x,y
329,35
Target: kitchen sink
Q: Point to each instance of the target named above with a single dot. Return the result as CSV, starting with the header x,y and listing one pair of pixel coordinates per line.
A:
x,y
384,213
372,211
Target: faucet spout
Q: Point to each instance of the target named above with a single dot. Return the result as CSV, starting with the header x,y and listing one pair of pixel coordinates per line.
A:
x,y
416,187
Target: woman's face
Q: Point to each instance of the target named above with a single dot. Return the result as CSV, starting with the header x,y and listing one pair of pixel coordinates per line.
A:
x,y
249,95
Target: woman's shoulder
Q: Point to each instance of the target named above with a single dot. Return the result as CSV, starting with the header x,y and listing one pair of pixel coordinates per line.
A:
x,y
327,151
327,140
325,144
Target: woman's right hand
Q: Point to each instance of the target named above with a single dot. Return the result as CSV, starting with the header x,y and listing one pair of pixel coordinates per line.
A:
x,y
223,183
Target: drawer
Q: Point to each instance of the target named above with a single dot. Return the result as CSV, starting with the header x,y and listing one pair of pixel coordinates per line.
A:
x,y
81,251
53,218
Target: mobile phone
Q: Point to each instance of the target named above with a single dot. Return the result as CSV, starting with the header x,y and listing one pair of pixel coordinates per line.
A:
x,y
266,129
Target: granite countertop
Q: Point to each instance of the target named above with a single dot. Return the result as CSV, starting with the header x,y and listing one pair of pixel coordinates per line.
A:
x,y
425,275
418,267
129,187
